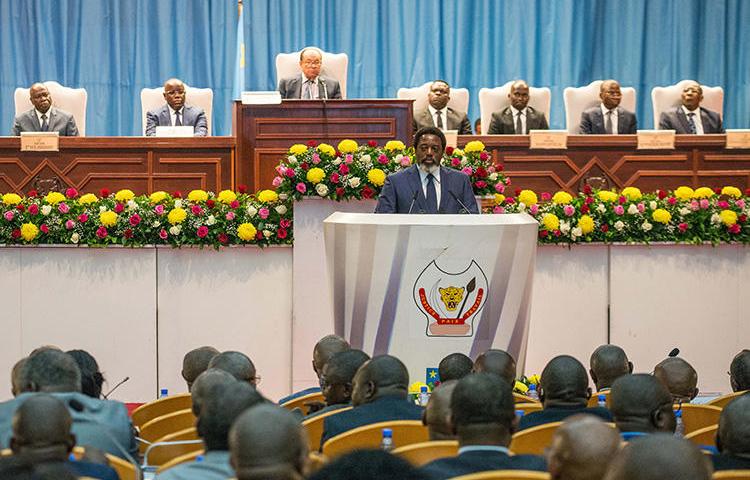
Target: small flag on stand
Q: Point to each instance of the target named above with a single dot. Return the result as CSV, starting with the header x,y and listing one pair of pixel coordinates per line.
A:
x,y
432,378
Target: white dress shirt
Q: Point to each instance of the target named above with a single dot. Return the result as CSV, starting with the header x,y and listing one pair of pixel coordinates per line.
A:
x,y
696,119
523,113
423,178
173,115
314,88
614,118
443,115
39,116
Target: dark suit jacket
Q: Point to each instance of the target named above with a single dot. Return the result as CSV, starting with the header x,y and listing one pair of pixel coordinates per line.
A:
x,y
400,187
726,461
481,461
301,393
592,121
291,87
456,121
502,122
391,407
191,116
59,121
558,414
677,120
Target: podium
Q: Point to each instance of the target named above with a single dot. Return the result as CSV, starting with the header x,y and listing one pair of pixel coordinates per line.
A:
x,y
422,286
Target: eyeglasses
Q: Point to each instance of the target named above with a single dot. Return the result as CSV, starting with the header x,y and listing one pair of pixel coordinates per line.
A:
x,y
311,63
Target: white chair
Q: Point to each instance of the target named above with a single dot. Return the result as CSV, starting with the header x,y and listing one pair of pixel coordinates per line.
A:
x,y
335,65
666,98
459,97
152,98
493,99
578,99
72,100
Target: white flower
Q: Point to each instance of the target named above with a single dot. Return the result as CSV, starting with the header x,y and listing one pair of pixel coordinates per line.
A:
x,y
564,227
132,205
102,208
283,196
267,233
619,225
46,209
645,226
281,209
576,232
178,203
251,210
156,223
715,219
175,229
337,161
75,238
652,205
684,211
292,159
493,176
632,209
521,207
398,158
601,208
365,158
354,182
322,189
211,220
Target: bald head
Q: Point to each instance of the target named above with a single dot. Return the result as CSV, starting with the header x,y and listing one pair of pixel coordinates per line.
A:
x,y
325,349
482,410
236,363
739,371
564,382
382,375
41,427
734,427
437,414
641,403
221,407
498,362
196,362
454,367
658,457
50,371
207,382
582,448
680,378
608,363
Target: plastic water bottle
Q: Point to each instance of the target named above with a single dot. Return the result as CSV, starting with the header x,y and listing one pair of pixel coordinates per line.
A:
x,y
532,393
163,393
601,400
386,444
424,395
520,413
679,429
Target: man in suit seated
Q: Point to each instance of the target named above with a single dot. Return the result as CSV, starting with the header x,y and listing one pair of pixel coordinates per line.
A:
x,y
175,112
413,189
454,366
196,362
439,114
238,364
367,465
380,394
437,414
608,363
608,117
659,457
739,372
641,405
733,436
690,117
564,391
680,378
310,85
44,117
484,419
498,362
337,379
582,448
519,118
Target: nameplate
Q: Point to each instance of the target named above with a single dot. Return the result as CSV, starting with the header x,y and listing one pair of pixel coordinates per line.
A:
x,y
738,139
261,98
451,138
172,131
548,139
655,139
40,141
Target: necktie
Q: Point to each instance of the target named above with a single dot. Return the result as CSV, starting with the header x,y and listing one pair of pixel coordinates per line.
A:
x,y
608,122
691,123
177,119
519,125
431,194
439,125
45,125
308,90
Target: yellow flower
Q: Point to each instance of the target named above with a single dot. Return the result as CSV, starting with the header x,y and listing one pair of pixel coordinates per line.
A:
x,y
550,221
534,379
176,215
227,196
684,193
54,198
586,224
731,191
158,197
298,149
327,149
416,387
124,195
527,197
728,217
197,196
315,175
662,216
376,176
29,231
521,387
268,196
562,198
457,152
631,193
108,218
475,146
11,199
703,192
607,196
395,145
347,146
499,198
246,231
87,199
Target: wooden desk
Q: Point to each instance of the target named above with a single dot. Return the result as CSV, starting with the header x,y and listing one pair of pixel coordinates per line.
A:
x,y
142,164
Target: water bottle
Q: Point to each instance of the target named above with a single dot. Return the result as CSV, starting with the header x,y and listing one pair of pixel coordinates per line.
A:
x,y
163,393
519,414
532,393
601,400
424,396
679,429
386,444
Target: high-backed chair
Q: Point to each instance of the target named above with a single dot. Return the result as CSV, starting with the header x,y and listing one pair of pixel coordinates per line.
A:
x,y
667,98
495,99
173,445
705,436
459,97
154,430
578,99
533,440
594,399
188,457
162,406
419,454
405,432
505,475
722,401
300,402
695,417
335,65
521,398
152,98
72,100
125,470
732,475
529,407
314,428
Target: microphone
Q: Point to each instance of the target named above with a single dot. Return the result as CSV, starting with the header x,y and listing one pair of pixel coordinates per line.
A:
x,y
116,387
674,352
464,209
325,89
413,199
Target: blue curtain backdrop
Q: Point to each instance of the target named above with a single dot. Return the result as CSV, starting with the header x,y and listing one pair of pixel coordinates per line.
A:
x,y
113,48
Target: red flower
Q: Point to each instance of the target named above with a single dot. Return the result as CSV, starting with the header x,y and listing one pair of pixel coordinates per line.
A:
x,y
242,188
71,193
101,232
483,156
163,234
196,210
481,172
234,204
587,189
281,233
177,194
480,184
499,167
717,190
683,227
372,143
622,199
32,193
747,192
340,191
285,223
223,238
543,233
128,233
289,172
517,191
734,228
312,143
449,151
259,236
104,193
662,194
20,207
33,209
585,209
557,233
135,219
16,233
367,192
742,218
604,228
510,200
672,200
83,218
334,177
304,166
343,169
546,196
202,231
210,203
119,207
588,200
44,228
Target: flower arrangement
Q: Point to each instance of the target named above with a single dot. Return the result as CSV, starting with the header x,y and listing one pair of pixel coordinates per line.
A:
x,y
522,384
474,161
202,218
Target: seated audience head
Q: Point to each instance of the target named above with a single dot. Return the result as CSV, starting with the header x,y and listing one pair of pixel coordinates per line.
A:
x,y
454,367
658,457
311,62
733,436
368,465
483,411
608,363
205,383
610,93
382,375
337,378
692,96
196,362
91,378
50,371
174,93
582,448
437,415
325,349
498,362
519,94
15,377
680,378
268,442
439,95
40,97
739,371
564,382
238,364
222,405
41,429
641,403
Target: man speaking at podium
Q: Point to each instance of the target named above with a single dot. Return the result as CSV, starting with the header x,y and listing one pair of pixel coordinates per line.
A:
x,y
427,187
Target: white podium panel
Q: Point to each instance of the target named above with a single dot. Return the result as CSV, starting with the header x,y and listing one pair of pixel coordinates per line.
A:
x,y
422,286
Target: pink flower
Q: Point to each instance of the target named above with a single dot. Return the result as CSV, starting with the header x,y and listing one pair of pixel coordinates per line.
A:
x,y
349,158
285,223
382,159
722,204
135,219
289,172
619,210
281,233
734,228
499,188
704,203
672,200
343,169
202,231
498,209
9,215
334,177
163,234
69,224
694,205
33,209
63,207
483,155
83,218
405,161
159,209
196,210
641,208
230,216
622,199
280,169
44,228
481,184
456,162
467,170
234,204
276,181
740,203
315,158
71,193
534,209
507,181
263,213
119,207
588,200
101,232
301,188
546,196
569,210
683,227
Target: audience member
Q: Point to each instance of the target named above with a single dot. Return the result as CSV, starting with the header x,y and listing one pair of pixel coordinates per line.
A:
x,y
205,383
733,436
483,418
518,118
680,378
10,469
608,118
437,414
196,362
323,350
310,85
454,367
659,457
15,377
582,448
175,112
238,364
368,465
690,117
380,394
439,114
91,378
739,371
640,405
607,364
498,362
267,442
44,117
564,391
337,379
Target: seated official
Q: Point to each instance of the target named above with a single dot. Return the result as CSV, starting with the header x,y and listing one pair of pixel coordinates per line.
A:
x,y
582,448
323,350
439,114
238,364
196,362
437,414
608,118
367,465
680,378
499,362
44,117
690,117
454,366
607,364
739,372
175,113
310,85
641,405
658,457
519,118
337,380
427,187
733,436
